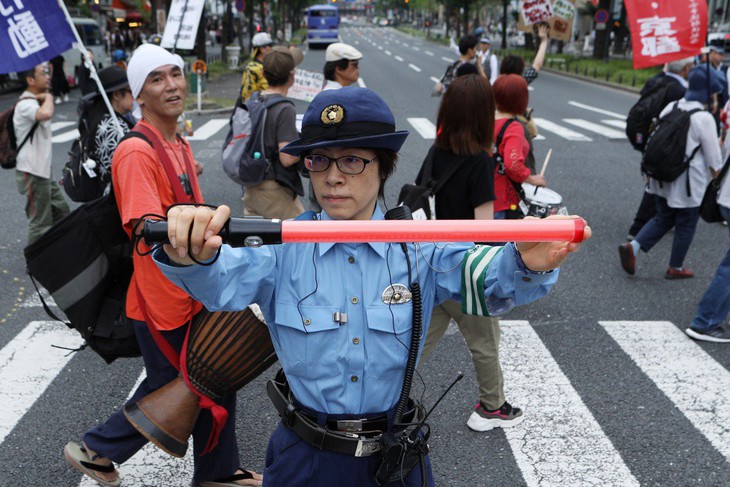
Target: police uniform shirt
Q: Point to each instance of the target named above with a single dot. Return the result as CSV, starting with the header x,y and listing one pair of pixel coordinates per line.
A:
x,y
342,346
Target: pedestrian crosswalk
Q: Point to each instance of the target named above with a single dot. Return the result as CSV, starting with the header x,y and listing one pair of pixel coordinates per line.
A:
x,y
571,129
560,442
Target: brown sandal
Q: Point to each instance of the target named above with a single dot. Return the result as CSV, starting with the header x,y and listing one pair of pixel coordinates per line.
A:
x,y
77,455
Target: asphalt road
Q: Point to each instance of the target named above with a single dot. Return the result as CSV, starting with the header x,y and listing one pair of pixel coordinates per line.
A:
x,y
613,392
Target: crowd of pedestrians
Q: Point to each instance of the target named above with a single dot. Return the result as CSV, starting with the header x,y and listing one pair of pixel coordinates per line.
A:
x,y
348,145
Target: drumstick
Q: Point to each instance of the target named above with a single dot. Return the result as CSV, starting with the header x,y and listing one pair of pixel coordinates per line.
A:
x,y
544,166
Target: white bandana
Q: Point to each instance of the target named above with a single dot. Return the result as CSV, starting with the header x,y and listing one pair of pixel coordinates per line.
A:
x,y
145,59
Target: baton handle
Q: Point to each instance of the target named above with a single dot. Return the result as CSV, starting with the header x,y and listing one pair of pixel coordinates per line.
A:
x,y
254,232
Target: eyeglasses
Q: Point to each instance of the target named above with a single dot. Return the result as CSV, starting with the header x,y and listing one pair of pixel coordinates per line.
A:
x,y
347,164
355,63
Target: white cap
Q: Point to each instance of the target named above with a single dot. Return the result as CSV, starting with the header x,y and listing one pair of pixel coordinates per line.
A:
x,y
262,39
339,50
145,59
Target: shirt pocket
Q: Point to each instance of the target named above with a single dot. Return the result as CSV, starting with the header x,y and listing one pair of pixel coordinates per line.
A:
x,y
308,338
389,331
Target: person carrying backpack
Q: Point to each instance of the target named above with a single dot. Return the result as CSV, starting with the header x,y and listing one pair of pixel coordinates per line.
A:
x,y
277,195
678,183
658,92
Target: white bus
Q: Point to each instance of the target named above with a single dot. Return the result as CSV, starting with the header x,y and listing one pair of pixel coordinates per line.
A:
x,y
93,39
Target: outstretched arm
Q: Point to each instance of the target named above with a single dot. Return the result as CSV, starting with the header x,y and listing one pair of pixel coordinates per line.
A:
x,y
542,32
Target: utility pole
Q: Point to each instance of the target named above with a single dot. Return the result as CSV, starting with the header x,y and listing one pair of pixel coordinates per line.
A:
x,y
504,23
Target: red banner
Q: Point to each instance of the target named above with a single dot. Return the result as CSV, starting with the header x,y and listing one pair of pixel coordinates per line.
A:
x,y
666,30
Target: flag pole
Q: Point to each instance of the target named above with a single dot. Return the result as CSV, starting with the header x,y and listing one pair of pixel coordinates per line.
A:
x,y
90,65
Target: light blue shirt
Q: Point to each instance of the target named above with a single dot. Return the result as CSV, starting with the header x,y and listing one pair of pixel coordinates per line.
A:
x,y
355,365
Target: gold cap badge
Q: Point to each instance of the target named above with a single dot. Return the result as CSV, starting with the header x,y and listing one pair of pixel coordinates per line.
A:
x,y
332,115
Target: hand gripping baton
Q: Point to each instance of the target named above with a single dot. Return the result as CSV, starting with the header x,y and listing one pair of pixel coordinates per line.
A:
x,y
254,232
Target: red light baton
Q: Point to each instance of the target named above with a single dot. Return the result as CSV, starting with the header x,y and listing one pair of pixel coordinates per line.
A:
x,y
254,232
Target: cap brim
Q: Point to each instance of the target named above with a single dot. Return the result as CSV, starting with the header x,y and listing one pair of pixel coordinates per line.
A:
x,y
392,141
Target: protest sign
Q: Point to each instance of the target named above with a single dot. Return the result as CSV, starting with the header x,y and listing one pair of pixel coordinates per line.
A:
x,y
559,14
182,24
306,85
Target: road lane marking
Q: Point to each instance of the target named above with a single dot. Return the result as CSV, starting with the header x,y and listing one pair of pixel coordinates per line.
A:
x,y
28,365
429,53
424,127
208,129
597,110
615,123
416,48
435,79
357,43
563,132
398,58
596,128
65,137
380,48
361,83
697,385
448,59
549,436
61,125
414,68
388,52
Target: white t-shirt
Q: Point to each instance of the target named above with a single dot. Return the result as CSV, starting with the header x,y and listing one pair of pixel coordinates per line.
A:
x,y
702,131
331,85
35,156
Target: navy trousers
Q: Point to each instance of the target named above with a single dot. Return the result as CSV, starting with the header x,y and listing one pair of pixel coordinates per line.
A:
x,y
118,440
684,221
292,462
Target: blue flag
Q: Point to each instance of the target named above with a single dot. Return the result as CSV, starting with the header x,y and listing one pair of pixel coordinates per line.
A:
x,y
31,32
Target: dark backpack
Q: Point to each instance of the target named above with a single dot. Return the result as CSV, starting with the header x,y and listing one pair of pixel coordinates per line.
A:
x,y
644,113
664,155
81,180
9,147
244,153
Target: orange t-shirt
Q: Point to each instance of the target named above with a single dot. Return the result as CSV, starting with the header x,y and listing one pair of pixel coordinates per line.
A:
x,y
140,187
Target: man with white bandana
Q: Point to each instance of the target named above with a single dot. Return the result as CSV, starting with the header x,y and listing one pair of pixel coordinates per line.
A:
x,y
158,309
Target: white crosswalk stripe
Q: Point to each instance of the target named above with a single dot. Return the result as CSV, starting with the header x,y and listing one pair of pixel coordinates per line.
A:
x,y
615,123
23,377
547,435
596,109
692,379
208,129
561,131
596,128
55,126
65,137
424,127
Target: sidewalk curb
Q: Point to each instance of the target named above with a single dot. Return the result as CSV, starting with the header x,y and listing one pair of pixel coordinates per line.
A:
x,y
209,111
588,79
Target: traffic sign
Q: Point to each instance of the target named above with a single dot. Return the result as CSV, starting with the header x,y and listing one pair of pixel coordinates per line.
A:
x,y
240,5
601,16
200,67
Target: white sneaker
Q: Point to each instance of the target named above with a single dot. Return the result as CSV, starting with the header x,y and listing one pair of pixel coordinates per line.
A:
x,y
483,419
65,98
58,100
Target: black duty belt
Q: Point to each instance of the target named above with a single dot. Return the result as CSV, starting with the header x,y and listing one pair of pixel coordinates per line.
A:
x,y
352,437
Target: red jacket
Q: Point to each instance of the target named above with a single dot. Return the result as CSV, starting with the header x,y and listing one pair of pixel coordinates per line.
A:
x,y
513,149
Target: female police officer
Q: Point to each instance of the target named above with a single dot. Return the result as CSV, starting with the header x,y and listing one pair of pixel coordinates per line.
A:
x,y
339,327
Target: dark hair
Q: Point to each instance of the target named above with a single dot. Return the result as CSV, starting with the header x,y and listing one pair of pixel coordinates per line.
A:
x,y
461,134
466,68
28,73
331,66
510,93
274,81
467,42
512,64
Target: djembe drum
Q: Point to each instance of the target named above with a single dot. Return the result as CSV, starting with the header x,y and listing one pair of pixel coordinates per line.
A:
x,y
223,352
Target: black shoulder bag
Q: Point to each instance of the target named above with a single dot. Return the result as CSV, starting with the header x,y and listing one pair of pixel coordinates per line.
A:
x,y
709,209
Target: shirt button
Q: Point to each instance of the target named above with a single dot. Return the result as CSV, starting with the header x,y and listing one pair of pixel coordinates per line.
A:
x,y
353,378
351,259
355,300
307,322
526,279
355,340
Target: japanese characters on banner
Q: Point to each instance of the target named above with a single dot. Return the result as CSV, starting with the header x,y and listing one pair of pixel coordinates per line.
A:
x,y
666,30
306,85
182,24
31,32
559,14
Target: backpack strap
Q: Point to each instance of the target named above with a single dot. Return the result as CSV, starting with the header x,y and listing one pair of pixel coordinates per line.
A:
x,y
693,153
32,129
447,175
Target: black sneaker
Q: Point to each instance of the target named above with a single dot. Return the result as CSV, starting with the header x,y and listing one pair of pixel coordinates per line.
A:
x,y
720,334
483,419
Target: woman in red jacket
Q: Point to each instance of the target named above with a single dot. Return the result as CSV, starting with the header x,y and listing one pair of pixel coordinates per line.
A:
x,y
511,97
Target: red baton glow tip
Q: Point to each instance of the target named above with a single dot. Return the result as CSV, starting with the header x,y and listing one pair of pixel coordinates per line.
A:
x,y
568,230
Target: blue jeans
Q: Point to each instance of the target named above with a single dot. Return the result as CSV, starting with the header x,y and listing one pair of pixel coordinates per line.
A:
x,y
715,304
683,219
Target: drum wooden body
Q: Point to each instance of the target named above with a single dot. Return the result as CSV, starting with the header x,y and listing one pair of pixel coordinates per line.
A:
x,y
224,352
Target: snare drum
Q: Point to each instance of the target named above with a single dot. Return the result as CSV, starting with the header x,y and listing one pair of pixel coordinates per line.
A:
x,y
544,202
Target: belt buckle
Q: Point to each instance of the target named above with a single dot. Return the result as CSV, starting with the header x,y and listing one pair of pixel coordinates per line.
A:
x,y
367,446
349,425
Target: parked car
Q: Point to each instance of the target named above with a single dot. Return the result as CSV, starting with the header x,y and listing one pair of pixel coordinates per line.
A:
x,y
721,37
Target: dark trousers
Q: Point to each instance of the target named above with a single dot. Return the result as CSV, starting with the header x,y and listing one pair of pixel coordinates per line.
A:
x,y
683,219
292,462
646,211
118,440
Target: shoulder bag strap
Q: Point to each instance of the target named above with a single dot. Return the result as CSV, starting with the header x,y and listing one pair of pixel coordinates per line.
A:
x,y
32,129
450,172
